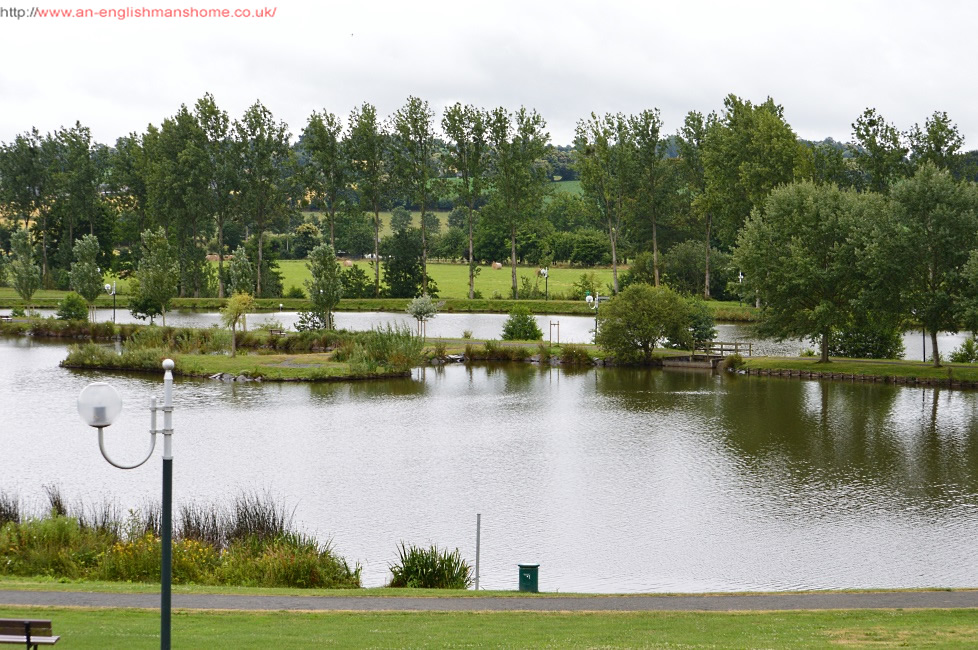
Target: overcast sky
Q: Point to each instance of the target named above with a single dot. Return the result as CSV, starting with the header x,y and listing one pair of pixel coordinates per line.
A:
x,y
824,61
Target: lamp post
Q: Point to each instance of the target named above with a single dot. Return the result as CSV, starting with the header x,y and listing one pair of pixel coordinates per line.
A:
x,y
546,282
98,404
110,289
594,302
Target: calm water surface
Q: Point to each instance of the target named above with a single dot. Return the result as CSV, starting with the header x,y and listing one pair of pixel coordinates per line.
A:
x,y
611,479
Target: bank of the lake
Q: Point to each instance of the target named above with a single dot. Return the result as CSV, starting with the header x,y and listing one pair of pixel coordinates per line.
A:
x,y
949,375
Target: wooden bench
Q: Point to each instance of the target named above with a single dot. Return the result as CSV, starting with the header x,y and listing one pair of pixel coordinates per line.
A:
x,y
29,632
275,332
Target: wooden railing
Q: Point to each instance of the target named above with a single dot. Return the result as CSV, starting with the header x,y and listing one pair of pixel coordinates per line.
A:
x,y
724,348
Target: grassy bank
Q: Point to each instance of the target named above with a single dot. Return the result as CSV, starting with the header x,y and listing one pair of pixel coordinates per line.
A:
x,y
100,628
899,371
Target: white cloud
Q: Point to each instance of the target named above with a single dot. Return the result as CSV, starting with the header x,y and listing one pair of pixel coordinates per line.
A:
x,y
825,61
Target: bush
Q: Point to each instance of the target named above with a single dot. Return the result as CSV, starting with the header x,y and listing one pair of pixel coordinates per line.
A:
x,y
732,362
430,569
575,354
521,326
296,293
967,353
72,307
633,322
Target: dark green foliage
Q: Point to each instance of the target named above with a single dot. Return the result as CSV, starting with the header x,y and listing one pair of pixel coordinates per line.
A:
x,y
73,307
9,509
575,355
403,270
967,353
633,322
295,293
702,326
521,326
732,362
356,283
591,247
868,340
430,569
685,266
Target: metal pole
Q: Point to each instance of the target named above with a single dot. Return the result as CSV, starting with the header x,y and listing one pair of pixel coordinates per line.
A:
x,y
923,340
478,532
167,532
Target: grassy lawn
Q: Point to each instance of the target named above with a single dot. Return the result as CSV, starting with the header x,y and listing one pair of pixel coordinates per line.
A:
x,y
453,279
867,367
101,628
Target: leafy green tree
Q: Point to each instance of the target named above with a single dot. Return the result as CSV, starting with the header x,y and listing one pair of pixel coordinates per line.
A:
x,y
747,152
925,246
219,168
307,237
413,148
241,274
86,278
518,173
126,181
73,307
142,306
607,165
25,274
641,316
179,194
468,155
327,169
422,309
371,171
800,256
402,268
939,142
325,288
356,283
266,161
521,326
238,305
26,184
683,268
653,186
702,325
158,273
879,151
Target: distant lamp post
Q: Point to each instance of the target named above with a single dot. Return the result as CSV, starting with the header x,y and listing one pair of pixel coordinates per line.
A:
x,y
98,405
110,289
594,303
546,282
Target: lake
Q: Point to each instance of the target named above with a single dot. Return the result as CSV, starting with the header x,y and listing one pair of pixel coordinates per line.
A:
x,y
612,479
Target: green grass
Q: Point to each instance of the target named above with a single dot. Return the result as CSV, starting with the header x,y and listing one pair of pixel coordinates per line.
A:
x,y
453,279
867,367
132,628
270,367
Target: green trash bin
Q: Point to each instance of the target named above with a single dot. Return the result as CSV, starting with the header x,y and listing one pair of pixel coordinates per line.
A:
x,y
529,578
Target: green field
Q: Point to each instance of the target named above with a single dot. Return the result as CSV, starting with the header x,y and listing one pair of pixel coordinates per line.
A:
x,y
133,628
453,279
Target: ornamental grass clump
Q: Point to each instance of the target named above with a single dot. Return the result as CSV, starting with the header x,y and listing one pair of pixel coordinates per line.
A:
x,y
252,543
430,569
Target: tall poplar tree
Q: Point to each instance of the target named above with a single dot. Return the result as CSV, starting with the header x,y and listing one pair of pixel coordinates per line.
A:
x,y
879,151
413,140
652,182
266,163
518,172
468,154
328,163
369,163
608,166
